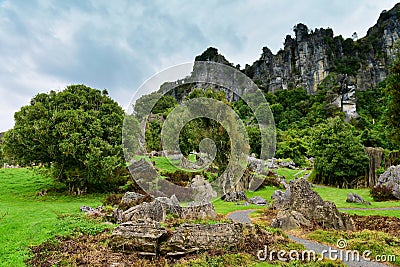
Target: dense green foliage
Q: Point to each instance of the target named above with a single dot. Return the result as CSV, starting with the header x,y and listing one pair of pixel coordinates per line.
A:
x,y
340,157
76,133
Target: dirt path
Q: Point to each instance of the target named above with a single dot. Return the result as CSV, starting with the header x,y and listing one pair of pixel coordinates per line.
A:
x,y
242,216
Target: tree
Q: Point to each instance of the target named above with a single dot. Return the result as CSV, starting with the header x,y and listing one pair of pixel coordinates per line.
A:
x,y
392,90
75,133
340,157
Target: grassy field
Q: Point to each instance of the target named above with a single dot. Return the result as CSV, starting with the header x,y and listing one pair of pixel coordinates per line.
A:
x,y
27,219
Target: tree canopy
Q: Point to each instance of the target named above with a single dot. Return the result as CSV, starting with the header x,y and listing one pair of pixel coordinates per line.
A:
x,y
75,133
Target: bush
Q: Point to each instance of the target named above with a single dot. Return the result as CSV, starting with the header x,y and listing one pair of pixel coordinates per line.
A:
x,y
381,193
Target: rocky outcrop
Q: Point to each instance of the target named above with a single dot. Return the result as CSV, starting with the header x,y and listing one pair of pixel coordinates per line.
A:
x,y
309,56
354,198
158,209
189,238
143,237
391,180
151,239
303,207
234,196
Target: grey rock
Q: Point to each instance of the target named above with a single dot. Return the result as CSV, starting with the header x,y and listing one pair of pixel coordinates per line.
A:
x,y
279,198
148,210
354,198
301,207
202,189
234,196
257,200
391,179
195,210
131,197
190,238
256,165
143,237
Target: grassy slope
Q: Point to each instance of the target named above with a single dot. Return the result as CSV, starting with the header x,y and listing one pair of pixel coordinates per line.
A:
x,y
30,219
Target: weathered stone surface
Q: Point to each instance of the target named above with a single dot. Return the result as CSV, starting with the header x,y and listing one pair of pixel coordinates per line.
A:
x,y
158,209
257,200
391,179
148,210
202,189
302,207
279,197
234,196
197,210
189,238
256,165
131,197
354,198
142,236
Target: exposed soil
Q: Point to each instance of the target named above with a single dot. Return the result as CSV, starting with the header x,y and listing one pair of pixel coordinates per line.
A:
x,y
87,250
390,225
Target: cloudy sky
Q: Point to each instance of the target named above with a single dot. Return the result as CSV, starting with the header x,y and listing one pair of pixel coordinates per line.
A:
x,y
46,45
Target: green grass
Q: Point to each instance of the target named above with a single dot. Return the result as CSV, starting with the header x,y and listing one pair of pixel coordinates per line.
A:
x,y
290,174
223,207
27,219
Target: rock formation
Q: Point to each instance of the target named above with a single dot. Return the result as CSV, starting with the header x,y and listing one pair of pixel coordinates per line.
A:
x,y
354,198
302,207
391,180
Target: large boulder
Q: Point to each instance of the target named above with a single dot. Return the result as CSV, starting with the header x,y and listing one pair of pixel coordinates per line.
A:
x,y
197,210
189,238
159,208
391,180
303,207
354,198
257,200
142,237
154,211
234,196
202,189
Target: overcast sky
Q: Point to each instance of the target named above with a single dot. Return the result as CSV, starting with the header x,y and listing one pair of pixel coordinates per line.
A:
x,y
47,45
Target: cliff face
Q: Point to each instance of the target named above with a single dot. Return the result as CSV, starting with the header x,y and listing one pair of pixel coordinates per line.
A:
x,y
310,56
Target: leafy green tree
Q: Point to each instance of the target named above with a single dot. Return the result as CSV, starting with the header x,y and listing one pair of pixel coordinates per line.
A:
x,y
392,89
76,133
340,157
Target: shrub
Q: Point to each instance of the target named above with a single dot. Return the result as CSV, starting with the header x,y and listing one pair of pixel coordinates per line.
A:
x,y
381,193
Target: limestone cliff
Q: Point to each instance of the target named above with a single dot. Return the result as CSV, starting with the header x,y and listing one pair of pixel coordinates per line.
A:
x,y
310,56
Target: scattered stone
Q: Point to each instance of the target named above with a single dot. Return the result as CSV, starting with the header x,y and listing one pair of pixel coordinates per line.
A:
x,y
130,198
391,180
93,211
302,207
257,200
234,196
354,198
288,164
